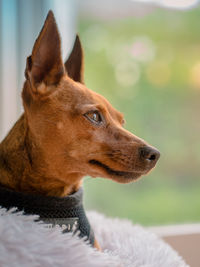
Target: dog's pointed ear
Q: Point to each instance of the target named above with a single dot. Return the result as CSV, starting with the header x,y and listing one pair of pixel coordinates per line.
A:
x,y
74,65
45,66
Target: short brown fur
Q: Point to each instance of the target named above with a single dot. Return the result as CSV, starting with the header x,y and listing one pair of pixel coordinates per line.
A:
x,y
55,144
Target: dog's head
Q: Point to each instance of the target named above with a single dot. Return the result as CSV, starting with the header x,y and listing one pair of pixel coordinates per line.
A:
x,y
77,130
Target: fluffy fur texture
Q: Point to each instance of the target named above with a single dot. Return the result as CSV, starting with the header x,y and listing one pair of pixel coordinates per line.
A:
x,y
27,243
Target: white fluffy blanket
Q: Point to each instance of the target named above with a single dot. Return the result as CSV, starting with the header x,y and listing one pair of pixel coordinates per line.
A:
x,y
25,243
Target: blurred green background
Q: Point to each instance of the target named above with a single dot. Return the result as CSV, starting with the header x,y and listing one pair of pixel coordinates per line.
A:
x,y
149,69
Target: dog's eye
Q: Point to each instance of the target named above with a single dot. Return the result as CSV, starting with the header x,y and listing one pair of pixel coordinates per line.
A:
x,y
94,117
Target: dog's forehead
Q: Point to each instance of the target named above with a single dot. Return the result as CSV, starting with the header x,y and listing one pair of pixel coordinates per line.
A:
x,y
79,95
99,99
84,96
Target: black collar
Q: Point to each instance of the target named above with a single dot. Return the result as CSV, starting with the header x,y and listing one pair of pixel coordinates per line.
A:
x,y
67,212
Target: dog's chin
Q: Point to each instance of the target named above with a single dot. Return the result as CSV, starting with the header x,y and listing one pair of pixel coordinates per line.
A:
x,y
118,176
127,178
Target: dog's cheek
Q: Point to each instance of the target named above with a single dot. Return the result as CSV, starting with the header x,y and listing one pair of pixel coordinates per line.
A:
x,y
59,125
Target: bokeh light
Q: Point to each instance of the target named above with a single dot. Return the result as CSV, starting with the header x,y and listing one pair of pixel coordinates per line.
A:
x,y
158,73
142,49
127,73
195,75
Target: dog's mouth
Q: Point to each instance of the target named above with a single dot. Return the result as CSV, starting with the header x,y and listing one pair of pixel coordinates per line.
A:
x,y
116,174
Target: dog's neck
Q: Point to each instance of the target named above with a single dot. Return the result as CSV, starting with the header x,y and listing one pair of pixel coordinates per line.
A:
x,y
23,168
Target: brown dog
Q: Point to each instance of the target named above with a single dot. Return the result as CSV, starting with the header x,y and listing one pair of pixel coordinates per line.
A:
x,y
67,131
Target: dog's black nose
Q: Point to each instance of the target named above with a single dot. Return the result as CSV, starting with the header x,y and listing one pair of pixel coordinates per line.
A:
x,y
149,154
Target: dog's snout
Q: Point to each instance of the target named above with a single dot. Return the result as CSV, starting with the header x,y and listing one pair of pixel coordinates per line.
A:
x,y
149,154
